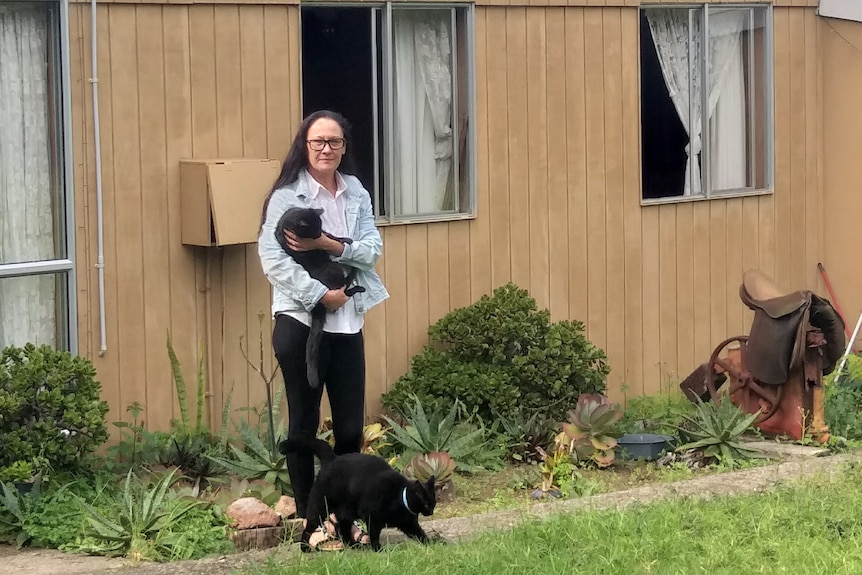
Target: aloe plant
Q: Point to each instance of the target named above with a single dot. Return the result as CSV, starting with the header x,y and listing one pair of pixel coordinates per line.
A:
x,y
589,431
437,464
18,506
425,433
134,527
716,430
256,462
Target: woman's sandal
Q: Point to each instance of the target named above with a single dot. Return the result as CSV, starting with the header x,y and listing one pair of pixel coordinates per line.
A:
x,y
359,535
322,540
325,537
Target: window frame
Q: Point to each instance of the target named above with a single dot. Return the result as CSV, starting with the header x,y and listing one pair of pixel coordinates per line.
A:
x,y
382,40
768,105
63,267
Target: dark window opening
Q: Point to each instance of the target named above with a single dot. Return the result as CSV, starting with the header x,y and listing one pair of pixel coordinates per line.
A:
x,y
663,137
337,75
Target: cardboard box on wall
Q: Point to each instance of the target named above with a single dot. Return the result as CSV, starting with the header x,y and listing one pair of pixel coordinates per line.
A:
x,y
221,199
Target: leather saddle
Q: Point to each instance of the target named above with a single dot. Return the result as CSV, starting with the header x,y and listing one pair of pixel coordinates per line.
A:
x,y
778,336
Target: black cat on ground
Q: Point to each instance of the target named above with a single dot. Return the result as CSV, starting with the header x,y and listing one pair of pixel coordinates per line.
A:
x,y
306,223
362,486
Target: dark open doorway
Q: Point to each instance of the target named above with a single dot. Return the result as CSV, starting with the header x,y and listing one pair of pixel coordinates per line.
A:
x,y
337,74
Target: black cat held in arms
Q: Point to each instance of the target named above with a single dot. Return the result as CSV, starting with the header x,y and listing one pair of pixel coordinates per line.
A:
x,y
362,486
306,223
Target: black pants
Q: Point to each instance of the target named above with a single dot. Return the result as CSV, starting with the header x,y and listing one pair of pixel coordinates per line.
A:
x,y
342,372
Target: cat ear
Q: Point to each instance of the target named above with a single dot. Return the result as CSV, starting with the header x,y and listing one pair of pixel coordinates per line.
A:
x,y
430,483
318,211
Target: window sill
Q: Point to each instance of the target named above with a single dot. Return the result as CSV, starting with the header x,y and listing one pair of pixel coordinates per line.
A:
x,y
423,219
701,198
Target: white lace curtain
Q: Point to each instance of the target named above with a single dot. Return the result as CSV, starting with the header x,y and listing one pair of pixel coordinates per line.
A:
x,y
424,141
678,38
27,312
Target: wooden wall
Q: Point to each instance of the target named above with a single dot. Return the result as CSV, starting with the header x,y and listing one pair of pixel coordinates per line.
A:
x,y
175,82
842,170
558,197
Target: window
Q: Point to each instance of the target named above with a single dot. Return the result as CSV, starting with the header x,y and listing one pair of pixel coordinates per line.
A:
x,y
35,267
687,153
402,76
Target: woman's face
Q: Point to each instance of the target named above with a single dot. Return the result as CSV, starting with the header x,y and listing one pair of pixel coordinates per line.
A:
x,y
324,162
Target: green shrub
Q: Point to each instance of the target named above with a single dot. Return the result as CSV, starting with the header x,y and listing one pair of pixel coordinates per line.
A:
x,y
500,354
842,400
49,407
658,413
438,378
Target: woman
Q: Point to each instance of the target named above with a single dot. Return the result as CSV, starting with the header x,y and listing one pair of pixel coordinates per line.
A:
x,y
310,177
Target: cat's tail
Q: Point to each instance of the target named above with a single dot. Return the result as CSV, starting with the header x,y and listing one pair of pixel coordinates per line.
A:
x,y
311,445
312,346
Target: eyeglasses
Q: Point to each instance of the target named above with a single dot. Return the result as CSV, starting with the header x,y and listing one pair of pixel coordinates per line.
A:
x,y
318,145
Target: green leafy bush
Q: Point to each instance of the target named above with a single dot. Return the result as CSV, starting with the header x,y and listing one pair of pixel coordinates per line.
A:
x,y
437,378
49,407
842,400
658,413
501,353
526,435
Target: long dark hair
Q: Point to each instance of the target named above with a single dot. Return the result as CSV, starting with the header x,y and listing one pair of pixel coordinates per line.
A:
x,y
297,157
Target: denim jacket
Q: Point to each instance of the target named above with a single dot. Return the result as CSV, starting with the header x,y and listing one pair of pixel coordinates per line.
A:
x,y
292,288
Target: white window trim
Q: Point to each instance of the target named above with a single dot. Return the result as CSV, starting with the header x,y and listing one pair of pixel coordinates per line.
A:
x,y
65,265
769,107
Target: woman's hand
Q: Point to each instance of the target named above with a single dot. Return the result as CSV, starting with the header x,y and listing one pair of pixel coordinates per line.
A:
x,y
323,242
334,299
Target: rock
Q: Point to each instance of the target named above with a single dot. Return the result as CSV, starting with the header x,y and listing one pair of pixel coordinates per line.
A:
x,y
248,512
286,507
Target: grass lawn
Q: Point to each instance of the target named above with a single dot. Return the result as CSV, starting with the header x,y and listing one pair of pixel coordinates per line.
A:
x,y
813,527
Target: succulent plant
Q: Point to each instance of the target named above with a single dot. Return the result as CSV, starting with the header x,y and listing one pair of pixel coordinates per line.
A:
x,y
374,438
437,464
716,430
589,432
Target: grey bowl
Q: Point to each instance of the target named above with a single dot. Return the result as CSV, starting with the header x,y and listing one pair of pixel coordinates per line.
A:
x,y
647,446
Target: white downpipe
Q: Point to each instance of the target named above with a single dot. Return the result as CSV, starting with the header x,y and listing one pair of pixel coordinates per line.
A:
x,y
849,347
100,259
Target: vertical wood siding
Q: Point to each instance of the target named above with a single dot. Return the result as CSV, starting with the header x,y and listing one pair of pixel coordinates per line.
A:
x,y
558,198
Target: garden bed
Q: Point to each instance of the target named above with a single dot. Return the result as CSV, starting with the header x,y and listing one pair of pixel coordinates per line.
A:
x,y
507,489
509,409
462,526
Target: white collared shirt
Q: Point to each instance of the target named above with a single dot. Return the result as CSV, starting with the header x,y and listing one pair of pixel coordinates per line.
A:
x,y
334,217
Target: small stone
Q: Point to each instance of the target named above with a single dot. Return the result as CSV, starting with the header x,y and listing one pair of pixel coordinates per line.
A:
x,y
286,507
248,512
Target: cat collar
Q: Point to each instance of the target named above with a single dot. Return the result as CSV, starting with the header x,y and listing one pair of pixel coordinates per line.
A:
x,y
404,501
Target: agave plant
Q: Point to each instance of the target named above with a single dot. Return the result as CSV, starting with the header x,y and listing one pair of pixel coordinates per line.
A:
x,y
435,431
716,429
133,526
257,461
437,464
589,432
